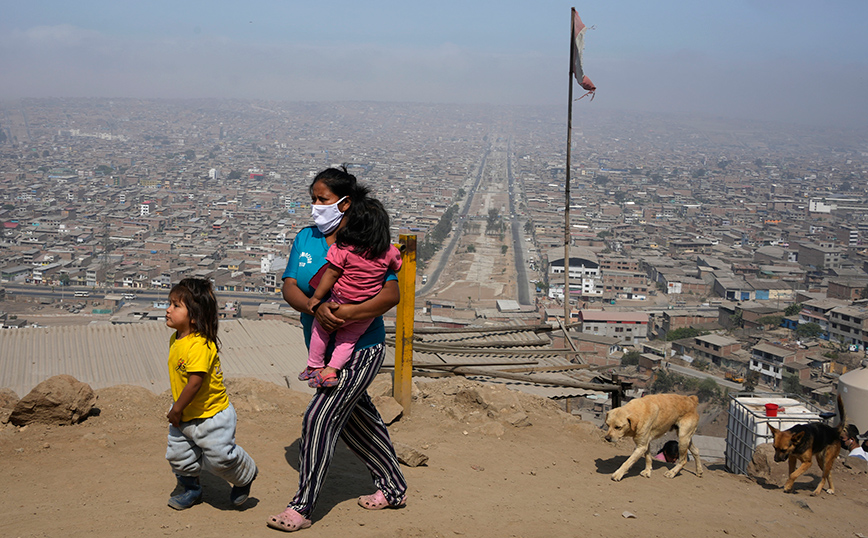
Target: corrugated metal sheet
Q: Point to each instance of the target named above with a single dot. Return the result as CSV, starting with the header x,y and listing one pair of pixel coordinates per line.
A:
x,y
480,359
519,337
527,344
104,355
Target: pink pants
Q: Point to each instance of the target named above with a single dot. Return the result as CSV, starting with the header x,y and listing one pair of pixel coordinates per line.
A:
x,y
345,342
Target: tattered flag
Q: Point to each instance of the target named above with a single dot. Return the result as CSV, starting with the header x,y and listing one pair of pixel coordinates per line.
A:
x,y
578,45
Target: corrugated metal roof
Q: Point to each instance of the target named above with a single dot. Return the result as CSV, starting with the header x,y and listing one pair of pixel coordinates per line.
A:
x,y
104,355
521,336
479,361
519,345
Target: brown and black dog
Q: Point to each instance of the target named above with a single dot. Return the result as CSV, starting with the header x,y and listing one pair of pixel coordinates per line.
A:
x,y
803,442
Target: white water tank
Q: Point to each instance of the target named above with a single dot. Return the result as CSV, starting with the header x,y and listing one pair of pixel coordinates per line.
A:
x,y
853,388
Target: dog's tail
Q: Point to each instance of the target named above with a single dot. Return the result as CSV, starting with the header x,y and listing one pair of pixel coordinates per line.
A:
x,y
842,425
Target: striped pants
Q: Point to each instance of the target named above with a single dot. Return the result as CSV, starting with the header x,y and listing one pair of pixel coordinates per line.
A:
x,y
346,411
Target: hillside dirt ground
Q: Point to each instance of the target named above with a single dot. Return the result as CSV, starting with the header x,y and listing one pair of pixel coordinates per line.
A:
x,y
501,464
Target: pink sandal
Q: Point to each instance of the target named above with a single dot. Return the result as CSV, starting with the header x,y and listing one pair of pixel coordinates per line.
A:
x,y
377,501
288,521
308,373
320,381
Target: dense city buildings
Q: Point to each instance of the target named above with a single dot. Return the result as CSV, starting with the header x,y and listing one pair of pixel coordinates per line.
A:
x,y
678,222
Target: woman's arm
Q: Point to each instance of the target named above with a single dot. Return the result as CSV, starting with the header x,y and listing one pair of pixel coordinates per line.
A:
x,y
331,275
377,305
293,295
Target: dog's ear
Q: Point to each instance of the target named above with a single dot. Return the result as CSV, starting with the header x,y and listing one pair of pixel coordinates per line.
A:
x,y
630,422
774,430
797,438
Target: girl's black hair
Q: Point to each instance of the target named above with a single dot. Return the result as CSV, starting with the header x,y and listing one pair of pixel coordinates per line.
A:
x,y
367,229
670,449
197,294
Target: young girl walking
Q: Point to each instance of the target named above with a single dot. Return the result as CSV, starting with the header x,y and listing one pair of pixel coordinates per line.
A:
x,y
355,271
202,420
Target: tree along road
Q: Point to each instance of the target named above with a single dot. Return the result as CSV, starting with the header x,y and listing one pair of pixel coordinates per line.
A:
x,y
456,233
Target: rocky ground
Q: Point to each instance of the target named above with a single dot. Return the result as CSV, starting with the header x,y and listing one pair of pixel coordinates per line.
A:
x,y
500,463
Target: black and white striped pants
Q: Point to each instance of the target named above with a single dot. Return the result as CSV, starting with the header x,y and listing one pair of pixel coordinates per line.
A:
x,y
346,411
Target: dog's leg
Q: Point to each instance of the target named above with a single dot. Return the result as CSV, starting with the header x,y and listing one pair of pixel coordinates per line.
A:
x,y
825,462
679,463
634,457
695,452
648,459
685,444
682,459
788,487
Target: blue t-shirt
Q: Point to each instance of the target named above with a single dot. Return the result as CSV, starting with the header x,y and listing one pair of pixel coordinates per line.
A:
x,y
306,258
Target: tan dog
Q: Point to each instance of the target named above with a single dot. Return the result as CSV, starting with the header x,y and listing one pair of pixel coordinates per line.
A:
x,y
645,419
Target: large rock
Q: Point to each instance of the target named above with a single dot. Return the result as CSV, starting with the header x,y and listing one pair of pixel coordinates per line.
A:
x,y
764,467
61,399
8,399
409,456
389,408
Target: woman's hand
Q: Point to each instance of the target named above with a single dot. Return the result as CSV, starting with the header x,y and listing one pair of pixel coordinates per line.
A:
x,y
325,315
312,304
377,305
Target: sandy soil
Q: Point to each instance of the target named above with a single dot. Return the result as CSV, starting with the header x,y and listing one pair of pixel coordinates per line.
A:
x,y
548,476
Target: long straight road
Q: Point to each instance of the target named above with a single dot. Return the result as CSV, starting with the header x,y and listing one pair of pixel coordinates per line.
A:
x,y
434,275
702,375
521,281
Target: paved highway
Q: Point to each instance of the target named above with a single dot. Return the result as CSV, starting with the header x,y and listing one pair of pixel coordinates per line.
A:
x,y
521,283
456,234
702,375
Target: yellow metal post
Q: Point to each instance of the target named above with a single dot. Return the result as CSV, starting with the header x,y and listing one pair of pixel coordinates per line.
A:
x,y
402,383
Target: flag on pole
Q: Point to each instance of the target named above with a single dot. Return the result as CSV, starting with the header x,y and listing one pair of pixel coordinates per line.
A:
x,y
578,45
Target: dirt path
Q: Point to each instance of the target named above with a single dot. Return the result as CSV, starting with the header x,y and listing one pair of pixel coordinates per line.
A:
x,y
548,475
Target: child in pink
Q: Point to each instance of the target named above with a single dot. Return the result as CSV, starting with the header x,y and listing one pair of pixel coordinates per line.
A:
x,y
353,274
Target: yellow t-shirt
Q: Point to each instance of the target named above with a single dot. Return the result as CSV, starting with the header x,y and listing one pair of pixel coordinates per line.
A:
x,y
193,354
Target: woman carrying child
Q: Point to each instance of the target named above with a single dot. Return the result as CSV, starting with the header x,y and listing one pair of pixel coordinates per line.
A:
x,y
343,410
355,270
202,421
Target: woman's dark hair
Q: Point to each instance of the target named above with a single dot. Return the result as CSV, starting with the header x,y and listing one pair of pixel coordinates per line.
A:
x,y
198,296
339,181
367,229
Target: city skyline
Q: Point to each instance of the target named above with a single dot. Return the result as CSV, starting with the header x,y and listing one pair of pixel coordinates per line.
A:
x,y
800,62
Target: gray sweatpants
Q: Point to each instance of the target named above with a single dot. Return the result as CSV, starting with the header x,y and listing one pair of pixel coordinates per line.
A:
x,y
209,444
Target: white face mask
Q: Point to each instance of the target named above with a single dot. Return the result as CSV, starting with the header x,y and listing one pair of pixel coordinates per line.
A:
x,y
327,217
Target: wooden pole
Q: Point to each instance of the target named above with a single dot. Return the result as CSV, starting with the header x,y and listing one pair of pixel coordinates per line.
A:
x,y
567,186
403,380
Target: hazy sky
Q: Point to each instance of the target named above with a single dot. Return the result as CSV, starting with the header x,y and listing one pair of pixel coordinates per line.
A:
x,y
793,60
